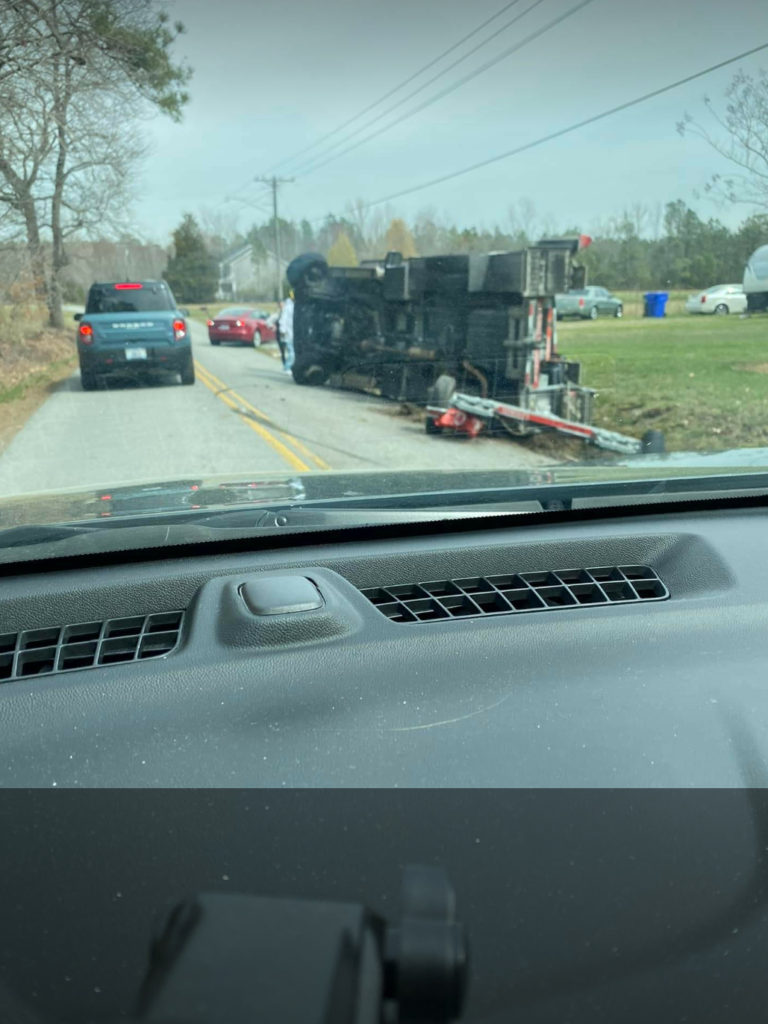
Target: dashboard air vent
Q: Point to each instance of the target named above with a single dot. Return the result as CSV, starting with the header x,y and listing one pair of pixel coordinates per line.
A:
x,y
515,593
36,652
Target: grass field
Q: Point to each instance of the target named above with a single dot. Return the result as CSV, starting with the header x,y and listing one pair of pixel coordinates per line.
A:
x,y
703,380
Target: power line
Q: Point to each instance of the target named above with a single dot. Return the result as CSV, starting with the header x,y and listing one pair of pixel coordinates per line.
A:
x,y
458,84
563,131
407,81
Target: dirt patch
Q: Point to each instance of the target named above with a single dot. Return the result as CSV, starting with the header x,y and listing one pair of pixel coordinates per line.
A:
x,y
751,367
30,371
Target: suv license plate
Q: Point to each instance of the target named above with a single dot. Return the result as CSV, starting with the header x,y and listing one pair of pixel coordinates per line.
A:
x,y
135,353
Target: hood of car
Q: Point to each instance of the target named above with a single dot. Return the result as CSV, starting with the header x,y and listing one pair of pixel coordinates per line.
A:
x,y
175,495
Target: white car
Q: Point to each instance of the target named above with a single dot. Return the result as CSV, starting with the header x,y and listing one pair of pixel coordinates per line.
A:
x,y
721,299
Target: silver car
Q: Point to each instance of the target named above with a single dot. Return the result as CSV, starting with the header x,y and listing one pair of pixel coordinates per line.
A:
x,y
721,299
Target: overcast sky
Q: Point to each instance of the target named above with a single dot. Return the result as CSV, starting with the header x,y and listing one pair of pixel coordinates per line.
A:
x,y
272,77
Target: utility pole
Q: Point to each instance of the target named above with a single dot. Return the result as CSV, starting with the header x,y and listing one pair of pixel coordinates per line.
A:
x,y
273,183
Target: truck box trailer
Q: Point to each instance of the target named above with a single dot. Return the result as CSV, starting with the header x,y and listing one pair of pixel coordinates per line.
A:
x,y
756,280
396,327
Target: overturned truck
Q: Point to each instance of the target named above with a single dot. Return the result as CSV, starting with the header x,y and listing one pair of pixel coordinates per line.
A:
x,y
447,331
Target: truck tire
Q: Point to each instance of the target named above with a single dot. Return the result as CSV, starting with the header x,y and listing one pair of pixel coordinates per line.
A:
x,y
653,442
431,427
187,372
309,373
308,269
88,380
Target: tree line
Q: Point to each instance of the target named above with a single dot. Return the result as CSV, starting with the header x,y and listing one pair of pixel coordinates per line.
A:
x,y
680,250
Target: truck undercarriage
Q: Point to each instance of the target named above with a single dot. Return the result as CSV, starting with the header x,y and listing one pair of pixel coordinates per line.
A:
x,y
437,329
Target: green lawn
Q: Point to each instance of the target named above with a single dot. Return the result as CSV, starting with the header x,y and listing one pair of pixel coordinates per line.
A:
x,y
703,380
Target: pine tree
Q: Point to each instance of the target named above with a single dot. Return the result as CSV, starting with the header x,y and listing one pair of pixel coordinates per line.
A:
x,y
191,272
399,239
342,252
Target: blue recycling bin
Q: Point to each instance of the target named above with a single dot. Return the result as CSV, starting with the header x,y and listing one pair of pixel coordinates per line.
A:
x,y
655,303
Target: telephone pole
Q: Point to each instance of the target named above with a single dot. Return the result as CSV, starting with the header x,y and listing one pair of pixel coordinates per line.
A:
x,y
273,183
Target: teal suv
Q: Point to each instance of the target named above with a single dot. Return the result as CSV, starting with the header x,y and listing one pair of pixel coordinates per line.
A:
x,y
133,328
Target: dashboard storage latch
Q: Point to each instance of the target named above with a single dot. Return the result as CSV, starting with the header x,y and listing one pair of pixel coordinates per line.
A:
x,y
281,595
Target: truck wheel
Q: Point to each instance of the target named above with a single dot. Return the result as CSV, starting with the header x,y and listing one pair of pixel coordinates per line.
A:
x,y
593,313
653,442
619,312
307,269
431,427
442,391
309,374
187,373
721,309
88,380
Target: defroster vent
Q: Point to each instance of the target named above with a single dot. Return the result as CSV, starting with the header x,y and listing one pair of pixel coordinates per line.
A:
x,y
36,652
515,593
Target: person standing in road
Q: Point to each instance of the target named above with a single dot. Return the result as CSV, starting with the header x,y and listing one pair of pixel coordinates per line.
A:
x,y
279,334
286,332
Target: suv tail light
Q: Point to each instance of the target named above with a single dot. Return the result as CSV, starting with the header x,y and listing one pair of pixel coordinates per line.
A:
x,y
179,329
86,334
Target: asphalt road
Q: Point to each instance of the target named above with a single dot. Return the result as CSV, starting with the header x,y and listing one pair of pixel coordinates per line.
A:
x,y
243,415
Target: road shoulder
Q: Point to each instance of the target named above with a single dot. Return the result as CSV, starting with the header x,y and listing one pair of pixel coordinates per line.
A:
x,y
31,372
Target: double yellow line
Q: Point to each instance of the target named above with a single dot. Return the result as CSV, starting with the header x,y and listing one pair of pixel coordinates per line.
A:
x,y
262,424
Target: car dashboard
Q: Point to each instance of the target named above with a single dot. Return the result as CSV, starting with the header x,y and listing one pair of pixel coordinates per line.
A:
x,y
622,648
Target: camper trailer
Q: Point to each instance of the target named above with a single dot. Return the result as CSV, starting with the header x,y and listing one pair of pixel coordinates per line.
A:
x,y
756,280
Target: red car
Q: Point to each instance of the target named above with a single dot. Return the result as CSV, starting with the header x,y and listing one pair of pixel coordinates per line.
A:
x,y
243,324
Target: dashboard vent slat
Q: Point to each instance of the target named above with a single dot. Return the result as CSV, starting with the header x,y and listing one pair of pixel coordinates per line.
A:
x,y
515,593
49,651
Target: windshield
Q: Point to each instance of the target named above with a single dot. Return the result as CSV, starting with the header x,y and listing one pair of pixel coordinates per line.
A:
x,y
408,256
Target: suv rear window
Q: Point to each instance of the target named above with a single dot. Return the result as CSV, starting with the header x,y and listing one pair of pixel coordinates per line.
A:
x,y
148,298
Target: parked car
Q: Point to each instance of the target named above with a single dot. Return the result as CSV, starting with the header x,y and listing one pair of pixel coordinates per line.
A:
x,y
720,299
241,323
132,328
588,303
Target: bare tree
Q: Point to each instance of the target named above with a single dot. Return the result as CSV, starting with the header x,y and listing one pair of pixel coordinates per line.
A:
x,y
740,135
219,227
359,214
74,84
523,219
639,216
